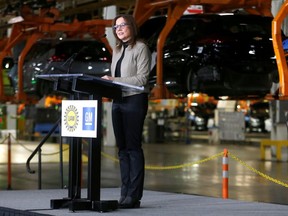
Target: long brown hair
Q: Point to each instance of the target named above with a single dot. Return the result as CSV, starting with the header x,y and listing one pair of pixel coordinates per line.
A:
x,y
129,19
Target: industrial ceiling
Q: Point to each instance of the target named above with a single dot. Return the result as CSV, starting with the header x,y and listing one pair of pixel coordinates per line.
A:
x,y
69,9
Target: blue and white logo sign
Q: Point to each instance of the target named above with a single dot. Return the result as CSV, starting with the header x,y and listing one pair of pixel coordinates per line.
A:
x,y
89,116
79,118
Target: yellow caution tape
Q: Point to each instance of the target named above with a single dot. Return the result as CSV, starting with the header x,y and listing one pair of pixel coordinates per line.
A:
x,y
149,167
257,172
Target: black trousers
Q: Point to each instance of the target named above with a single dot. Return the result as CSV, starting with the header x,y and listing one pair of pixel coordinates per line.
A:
x,y
128,115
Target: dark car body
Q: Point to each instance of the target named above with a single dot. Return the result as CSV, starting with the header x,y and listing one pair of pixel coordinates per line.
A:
x,y
257,115
216,54
200,114
48,56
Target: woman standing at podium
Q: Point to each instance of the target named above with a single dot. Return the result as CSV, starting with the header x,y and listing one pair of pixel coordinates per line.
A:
x,y
131,65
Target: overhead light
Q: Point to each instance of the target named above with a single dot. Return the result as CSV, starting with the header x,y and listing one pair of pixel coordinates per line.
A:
x,y
224,97
15,20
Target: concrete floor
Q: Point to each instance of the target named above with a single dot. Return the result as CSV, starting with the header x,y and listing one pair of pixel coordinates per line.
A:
x,y
173,166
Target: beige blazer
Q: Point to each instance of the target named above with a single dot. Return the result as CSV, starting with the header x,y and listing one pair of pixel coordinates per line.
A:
x,y
135,67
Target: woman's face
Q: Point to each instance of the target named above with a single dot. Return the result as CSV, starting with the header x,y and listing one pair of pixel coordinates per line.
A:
x,y
122,29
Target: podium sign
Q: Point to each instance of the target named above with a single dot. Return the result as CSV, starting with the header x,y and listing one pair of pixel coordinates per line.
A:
x,y
79,118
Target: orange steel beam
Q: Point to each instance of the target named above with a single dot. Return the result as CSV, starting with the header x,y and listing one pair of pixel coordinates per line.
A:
x,y
16,36
145,8
175,10
3,42
279,51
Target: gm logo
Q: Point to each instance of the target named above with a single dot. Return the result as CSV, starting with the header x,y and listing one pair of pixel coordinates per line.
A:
x,y
88,118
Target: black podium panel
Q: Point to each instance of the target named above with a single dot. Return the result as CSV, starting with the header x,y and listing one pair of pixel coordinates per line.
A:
x,y
93,87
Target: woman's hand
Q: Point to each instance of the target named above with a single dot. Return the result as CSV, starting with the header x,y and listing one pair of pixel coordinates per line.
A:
x,y
106,77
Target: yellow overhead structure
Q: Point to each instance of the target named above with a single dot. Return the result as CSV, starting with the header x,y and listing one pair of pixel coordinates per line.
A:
x,y
144,9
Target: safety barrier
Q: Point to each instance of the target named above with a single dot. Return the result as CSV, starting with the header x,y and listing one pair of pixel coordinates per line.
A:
x,y
9,176
225,165
9,138
225,175
279,144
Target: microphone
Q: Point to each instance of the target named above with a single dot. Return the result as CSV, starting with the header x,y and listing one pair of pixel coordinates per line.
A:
x,y
66,66
72,58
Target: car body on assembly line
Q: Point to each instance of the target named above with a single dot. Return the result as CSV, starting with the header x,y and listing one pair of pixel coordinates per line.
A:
x,y
218,54
50,56
257,116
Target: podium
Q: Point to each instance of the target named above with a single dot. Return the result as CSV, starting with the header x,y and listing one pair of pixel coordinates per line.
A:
x,y
78,87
